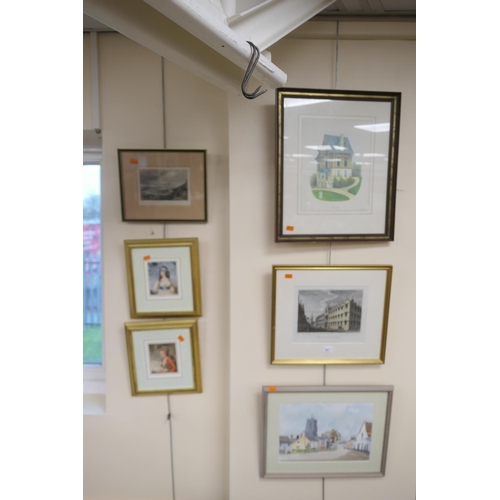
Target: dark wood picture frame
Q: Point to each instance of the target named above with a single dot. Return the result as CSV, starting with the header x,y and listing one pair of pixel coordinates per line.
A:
x,y
163,185
349,124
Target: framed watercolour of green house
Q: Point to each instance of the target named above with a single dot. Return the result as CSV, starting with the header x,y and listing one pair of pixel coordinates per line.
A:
x,y
337,165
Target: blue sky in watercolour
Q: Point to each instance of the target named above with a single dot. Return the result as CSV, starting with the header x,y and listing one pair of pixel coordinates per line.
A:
x,y
346,418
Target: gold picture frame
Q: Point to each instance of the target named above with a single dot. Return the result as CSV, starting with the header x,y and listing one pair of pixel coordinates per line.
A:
x,y
163,278
163,357
330,314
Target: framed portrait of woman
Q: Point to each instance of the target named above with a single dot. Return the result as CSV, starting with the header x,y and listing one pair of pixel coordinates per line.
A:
x,y
163,357
163,277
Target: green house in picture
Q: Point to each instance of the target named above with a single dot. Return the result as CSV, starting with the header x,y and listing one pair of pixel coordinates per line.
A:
x,y
337,177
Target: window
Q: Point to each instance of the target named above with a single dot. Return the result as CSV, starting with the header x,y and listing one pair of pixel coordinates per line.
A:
x,y
94,376
92,301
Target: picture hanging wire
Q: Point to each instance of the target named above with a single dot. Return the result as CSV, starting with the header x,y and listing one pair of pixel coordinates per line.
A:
x,y
169,415
330,246
163,110
164,122
254,59
336,56
94,75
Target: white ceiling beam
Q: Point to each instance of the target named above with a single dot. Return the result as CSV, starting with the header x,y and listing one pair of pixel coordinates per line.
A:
x,y
215,7
140,22
194,17
270,21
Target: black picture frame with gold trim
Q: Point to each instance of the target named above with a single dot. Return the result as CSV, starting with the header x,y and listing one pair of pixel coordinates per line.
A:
x,y
337,154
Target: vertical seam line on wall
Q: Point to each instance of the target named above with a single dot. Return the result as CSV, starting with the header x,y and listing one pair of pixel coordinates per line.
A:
x,y
335,73
336,56
171,447
164,134
94,75
163,113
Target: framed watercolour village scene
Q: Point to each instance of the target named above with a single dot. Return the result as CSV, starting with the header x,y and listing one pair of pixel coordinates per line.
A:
x,y
336,431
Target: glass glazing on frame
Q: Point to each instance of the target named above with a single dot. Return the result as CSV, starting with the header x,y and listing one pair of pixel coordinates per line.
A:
x,y
337,153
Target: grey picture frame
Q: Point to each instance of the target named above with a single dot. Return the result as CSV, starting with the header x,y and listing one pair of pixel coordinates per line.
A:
x,y
270,391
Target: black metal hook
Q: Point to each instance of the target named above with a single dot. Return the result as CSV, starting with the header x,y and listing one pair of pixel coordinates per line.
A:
x,y
251,66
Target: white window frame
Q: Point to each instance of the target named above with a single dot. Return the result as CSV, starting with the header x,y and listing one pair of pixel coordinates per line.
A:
x,y
94,377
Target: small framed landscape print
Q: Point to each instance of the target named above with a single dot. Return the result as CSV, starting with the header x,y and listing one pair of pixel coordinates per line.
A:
x,y
163,357
330,314
337,165
163,185
163,277
337,431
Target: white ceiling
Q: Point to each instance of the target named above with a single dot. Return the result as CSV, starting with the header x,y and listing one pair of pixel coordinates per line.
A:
x,y
201,37
371,9
361,10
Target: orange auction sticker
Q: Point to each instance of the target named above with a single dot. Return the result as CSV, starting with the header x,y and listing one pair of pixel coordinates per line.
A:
x,y
181,338
147,257
134,161
288,276
290,228
272,388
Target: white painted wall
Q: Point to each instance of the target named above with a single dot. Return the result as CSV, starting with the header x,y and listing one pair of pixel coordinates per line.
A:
x,y
217,433
363,65
126,451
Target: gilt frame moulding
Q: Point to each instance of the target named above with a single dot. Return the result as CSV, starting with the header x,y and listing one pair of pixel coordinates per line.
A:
x,y
163,277
163,357
330,314
336,171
